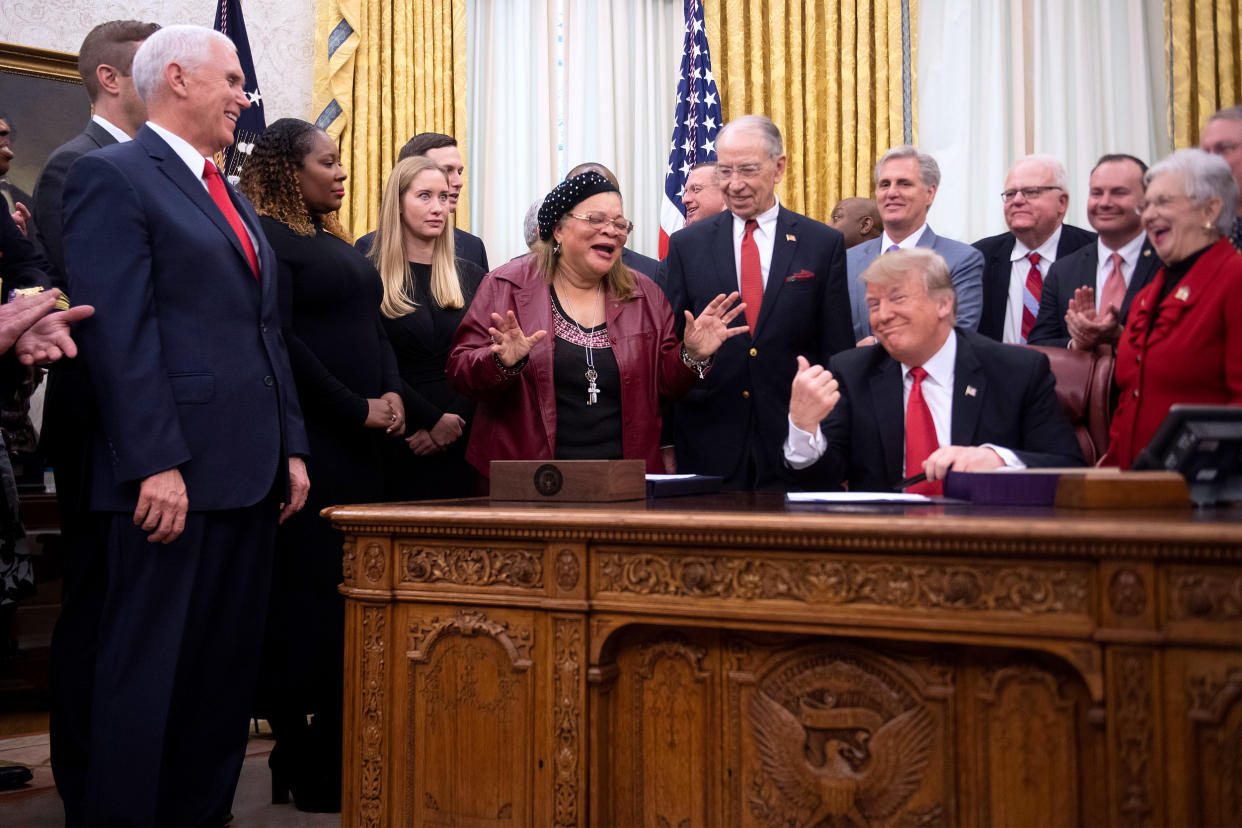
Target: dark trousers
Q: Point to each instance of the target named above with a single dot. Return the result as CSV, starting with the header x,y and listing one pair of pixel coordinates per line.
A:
x,y
178,641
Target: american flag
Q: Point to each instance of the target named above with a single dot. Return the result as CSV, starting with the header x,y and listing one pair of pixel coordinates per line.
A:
x,y
229,21
696,123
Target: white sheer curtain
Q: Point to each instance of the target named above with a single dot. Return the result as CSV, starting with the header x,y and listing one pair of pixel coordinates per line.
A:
x,y
553,83
996,81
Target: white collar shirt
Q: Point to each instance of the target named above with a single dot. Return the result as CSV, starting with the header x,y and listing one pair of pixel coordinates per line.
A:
x,y
112,129
912,240
1019,268
765,240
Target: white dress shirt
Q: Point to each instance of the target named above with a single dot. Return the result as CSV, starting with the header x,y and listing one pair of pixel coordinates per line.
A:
x,y
765,240
909,241
803,448
1017,280
115,131
1130,252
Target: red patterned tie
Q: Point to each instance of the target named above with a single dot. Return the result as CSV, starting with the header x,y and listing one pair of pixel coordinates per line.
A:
x,y
1114,292
752,275
1030,297
920,435
220,195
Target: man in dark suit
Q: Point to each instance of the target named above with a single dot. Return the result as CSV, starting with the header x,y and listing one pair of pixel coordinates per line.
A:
x,y
790,271
13,200
1016,263
927,398
199,445
443,150
1099,280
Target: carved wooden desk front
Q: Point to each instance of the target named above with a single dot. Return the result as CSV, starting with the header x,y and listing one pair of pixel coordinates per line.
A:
x,y
723,661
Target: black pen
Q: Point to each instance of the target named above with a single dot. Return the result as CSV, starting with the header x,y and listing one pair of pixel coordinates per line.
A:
x,y
921,477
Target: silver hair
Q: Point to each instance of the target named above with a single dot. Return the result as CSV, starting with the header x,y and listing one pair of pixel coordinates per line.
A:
x,y
530,224
188,46
1229,113
760,124
1054,165
1204,176
929,170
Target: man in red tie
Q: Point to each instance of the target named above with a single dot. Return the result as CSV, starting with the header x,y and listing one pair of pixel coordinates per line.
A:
x,y
1036,196
198,447
926,398
1086,295
790,271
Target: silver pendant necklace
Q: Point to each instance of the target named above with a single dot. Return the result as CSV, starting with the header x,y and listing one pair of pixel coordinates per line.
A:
x,y
591,374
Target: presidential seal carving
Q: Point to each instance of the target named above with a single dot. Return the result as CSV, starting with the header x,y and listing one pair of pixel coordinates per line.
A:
x,y
837,741
548,480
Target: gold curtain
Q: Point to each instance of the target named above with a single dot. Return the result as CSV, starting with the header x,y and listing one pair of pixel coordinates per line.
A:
x,y
386,71
1203,39
837,77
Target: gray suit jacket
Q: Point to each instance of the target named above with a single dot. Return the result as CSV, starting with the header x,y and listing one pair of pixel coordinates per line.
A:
x,y
965,266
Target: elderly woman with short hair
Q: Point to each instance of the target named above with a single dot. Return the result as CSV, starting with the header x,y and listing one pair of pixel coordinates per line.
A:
x,y
1183,340
591,389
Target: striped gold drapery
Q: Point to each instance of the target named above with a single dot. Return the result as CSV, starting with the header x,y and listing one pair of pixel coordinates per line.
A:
x,y
837,76
384,72
1203,43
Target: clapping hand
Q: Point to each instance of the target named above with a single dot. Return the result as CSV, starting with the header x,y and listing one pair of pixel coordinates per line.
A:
x,y
707,333
1087,328
509,343
49,339
21,215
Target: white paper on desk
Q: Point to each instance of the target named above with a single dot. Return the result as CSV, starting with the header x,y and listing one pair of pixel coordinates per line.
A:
x,y
855,497
671,476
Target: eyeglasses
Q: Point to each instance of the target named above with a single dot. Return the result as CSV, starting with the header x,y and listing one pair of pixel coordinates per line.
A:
x,y
598,220
1029,193
744,171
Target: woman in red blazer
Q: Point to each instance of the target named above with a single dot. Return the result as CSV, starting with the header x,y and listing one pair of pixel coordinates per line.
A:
x,y
1183,340
591,389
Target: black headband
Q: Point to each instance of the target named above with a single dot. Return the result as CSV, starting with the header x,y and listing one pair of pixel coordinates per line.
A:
x,y
568,194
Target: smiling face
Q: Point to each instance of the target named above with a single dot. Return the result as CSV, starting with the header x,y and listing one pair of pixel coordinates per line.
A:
x,y
425,205
748,175
1223,137
1033,220
214,97
908,323
1175,225
321,177
902,197
703,196
588,249
449,159
1116,190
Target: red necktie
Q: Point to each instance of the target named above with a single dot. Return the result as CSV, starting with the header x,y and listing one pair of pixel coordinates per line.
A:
x,y
1030,297
1114,292
920,435
220,195
752,275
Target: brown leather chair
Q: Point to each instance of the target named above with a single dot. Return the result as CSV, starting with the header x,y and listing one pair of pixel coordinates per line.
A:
x,y
1085,391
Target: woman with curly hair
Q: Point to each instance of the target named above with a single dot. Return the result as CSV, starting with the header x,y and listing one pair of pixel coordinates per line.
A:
x,y
426,293
349,387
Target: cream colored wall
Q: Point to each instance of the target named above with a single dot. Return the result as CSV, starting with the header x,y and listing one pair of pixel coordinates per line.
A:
x,y
282,36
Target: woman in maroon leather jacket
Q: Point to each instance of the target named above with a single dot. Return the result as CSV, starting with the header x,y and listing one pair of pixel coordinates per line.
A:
x,y
591,389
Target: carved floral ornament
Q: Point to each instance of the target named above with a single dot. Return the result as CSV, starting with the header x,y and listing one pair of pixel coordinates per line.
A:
x,y
517,642
1207,595
567,570
1127,594
470,566
1026,589
567,714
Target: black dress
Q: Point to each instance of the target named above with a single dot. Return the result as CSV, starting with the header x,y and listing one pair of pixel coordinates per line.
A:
x,y
422,341
329,304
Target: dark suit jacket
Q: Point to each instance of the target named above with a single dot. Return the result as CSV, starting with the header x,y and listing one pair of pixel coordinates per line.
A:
x,y
184,349
49,194
741,408
1076,270
466,246
637,261
1014,405
997,268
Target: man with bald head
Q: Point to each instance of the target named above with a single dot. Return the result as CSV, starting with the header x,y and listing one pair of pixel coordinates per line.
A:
x,y
858,219
1015,263
790,271
1222,135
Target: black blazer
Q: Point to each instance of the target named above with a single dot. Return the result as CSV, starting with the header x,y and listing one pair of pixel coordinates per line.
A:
x,y
49,194
997,268
637,261
1013,404
745,396
1076,270
184,350
465,246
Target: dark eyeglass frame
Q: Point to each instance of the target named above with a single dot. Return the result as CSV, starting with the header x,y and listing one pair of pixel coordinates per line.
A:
x,y
1029,193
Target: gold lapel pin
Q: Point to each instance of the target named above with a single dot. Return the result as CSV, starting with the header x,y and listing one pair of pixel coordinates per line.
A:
x,y
790,237
1182,293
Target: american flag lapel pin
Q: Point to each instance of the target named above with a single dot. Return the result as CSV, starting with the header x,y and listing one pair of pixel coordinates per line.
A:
x,y
790,237
970,391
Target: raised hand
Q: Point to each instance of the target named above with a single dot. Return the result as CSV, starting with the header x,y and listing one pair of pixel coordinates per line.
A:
x,y
1088,328
509,343
815,393
707,333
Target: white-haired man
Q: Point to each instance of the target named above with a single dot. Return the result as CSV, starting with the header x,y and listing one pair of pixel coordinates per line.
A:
x,y
199,444
1016,262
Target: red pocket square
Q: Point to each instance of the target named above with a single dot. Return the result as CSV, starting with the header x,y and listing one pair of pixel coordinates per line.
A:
x,y
801,276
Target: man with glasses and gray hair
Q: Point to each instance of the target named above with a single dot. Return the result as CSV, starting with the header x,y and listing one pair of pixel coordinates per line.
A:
x,y
1036,196
905,187
790,271
1222,135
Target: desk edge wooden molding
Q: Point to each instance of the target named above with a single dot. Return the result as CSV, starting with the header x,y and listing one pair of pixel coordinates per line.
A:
x,y
933,666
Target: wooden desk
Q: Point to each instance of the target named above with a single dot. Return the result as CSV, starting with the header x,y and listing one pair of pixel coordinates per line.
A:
x,y
723,661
